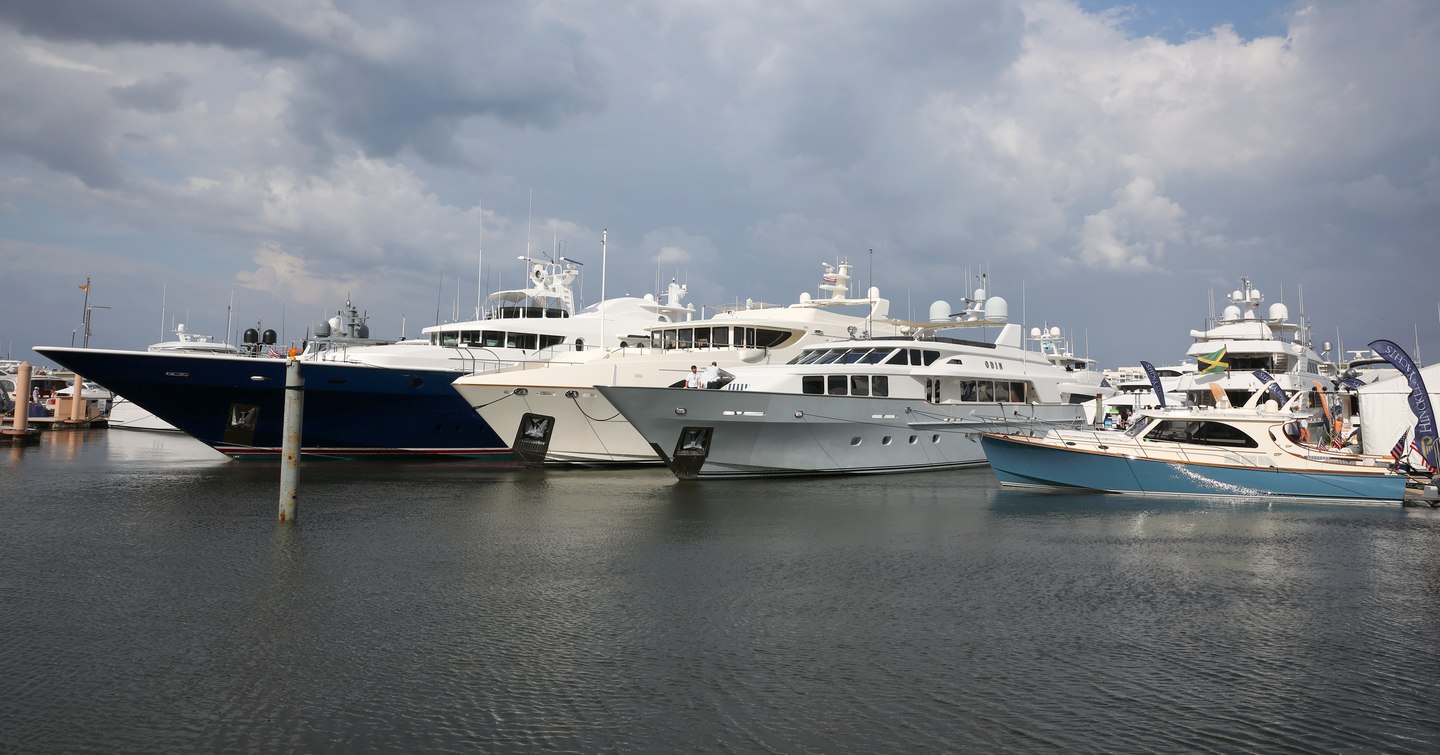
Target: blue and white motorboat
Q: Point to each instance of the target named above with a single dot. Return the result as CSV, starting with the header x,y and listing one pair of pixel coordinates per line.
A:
x,y
1248,452
374,399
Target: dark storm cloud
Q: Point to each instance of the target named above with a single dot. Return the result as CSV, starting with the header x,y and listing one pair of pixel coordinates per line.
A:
x,y
161,94
240,26
518,75
57,118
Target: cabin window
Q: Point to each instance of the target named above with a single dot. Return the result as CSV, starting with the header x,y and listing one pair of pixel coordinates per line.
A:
x,y
493,339
522,340
850,356
828,356
766,338
984,391
1202,433
687,338
836,385
859,385
667,339
1017,392
720,337
929,356
546,341
901,356
967,390
813,384
879,385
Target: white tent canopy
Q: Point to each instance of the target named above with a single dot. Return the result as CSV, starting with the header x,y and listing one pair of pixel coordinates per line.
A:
x,y
1385,409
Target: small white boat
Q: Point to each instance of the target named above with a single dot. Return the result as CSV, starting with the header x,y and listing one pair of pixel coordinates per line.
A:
x,y
1248,452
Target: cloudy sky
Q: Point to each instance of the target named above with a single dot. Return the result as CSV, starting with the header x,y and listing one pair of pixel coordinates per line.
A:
x,y
1112,165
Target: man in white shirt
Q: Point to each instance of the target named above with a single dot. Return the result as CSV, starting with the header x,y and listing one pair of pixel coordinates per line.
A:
x,y
710,376
692,380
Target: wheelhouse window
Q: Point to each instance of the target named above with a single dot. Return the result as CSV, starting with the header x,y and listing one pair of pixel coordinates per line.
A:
x,y
1201,433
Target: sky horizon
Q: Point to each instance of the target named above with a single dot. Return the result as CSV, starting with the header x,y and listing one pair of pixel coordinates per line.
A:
x,y
1113,167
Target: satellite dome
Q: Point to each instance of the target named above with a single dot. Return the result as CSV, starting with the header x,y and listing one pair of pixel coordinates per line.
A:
x,y
805,297
322,329
996,308
939,311
1054,331
1232,312
1034,332
1279,312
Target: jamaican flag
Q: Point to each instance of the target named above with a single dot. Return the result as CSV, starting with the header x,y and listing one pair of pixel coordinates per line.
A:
x,y
1213,362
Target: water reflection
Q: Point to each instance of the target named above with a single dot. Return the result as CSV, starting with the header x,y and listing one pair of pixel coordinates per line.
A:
x,y
451,606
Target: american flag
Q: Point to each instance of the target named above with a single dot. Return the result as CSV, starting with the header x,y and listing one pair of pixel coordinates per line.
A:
x,y
1398,451
272,353
1424,462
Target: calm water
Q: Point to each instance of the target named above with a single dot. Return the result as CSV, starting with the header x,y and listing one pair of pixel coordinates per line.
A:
x,y
149,602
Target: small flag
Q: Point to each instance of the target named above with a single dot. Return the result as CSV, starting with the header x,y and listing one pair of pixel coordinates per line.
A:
x,y
830,279
84,287
272,353
1424,462
1213,362
1399,450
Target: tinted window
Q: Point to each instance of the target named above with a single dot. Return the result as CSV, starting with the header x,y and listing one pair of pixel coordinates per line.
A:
x,y
814,384
880,385
859,385
837,384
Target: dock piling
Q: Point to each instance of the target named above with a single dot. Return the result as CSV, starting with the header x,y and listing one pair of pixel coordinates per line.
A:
x,y
290,443
20,431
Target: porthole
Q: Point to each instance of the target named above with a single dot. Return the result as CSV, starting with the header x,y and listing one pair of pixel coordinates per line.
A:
x,y
855,441
885,441
913,439
935,438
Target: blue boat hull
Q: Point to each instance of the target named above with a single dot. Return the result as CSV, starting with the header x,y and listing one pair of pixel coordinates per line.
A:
x,y
236,404
1026,464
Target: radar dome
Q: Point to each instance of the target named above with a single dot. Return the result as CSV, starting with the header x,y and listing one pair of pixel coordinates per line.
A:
x,y
322,329
996,308
1278,311
979,295
268,337
805,297
1054,331
939,311
362,331
1232,312
1034,332
251,336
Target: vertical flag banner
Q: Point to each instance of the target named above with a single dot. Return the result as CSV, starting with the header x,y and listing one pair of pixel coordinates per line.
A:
x,y
1425,437
1154,382
1276,392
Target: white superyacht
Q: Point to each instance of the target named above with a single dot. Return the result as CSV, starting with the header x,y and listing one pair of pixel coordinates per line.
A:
x,y
556,416
909,402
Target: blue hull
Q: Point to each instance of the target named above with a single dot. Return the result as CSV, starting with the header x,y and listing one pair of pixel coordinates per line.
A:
x,y
236,405
1020,463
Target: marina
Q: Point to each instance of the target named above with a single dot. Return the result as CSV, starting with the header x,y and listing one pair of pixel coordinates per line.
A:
x,y
153,604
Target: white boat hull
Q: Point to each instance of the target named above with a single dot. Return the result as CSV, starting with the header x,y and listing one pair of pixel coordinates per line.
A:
x,y
752,434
